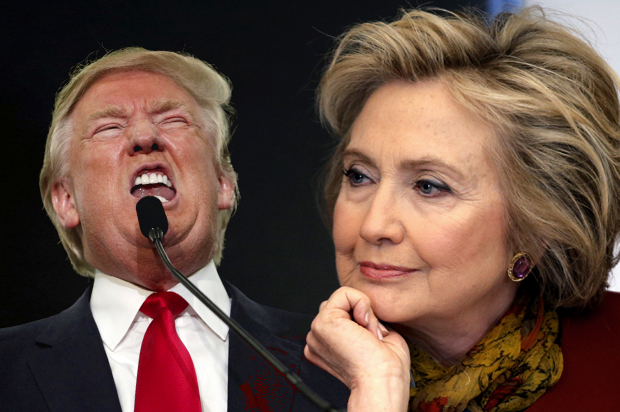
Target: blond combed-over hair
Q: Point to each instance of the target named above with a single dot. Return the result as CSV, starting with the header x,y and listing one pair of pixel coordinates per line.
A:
x,y
553,103
210,89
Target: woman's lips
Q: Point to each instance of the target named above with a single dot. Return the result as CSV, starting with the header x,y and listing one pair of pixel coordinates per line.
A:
x,y
378,271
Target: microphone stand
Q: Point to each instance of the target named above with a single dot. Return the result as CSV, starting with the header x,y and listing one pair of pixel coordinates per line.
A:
x,y
156,235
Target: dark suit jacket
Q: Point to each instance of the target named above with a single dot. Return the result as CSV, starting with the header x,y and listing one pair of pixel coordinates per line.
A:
x,y
59,363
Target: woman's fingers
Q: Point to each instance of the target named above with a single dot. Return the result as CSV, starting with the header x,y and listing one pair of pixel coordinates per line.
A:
x,y
348,341
347,338
349,300
376,327
383,329
358,307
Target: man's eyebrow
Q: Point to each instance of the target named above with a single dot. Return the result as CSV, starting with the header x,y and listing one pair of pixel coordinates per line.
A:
x,y
109,111
162,106
157,107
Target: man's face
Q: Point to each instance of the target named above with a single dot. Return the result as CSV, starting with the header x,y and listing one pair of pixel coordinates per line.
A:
x,y
128,127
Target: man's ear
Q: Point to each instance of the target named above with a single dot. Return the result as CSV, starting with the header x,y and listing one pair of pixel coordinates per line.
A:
x,y
226,193
63,202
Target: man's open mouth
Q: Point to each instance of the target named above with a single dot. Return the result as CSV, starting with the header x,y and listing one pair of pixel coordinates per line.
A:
x,y
153,183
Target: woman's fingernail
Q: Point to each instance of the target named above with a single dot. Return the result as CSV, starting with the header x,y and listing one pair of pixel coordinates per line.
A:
x,y
379,334
367,318
383,329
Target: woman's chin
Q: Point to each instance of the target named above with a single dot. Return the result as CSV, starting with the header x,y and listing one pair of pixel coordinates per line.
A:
x,y
394,304
390,311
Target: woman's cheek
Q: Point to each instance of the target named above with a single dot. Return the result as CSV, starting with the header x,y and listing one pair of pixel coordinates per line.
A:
x,y
346,269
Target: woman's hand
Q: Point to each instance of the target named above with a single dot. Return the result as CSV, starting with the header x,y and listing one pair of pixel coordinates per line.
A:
x,y
359,350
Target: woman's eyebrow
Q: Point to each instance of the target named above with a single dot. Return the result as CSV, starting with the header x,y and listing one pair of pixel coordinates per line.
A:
x,y
409,164
359,155
426,162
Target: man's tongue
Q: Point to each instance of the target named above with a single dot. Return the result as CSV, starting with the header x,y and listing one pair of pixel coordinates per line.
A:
x,y
154,190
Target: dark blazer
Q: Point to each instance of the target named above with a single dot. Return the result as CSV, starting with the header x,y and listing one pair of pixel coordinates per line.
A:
x,y
59,363
591,350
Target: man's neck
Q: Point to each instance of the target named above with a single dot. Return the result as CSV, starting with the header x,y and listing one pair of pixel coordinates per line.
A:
x,y
148,270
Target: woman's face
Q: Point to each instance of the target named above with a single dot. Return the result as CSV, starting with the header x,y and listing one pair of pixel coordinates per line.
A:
x,y
419,223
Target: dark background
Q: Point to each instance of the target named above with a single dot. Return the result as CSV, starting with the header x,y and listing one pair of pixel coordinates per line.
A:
x,y
277,250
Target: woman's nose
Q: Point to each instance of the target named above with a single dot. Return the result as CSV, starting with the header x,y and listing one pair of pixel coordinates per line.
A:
x,y
382,222
144,139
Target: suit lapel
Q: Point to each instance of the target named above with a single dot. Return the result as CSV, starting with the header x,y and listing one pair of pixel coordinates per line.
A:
x,y
253,384
71,367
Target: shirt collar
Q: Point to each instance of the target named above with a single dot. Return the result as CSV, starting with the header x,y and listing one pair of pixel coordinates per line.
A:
x,y
115,303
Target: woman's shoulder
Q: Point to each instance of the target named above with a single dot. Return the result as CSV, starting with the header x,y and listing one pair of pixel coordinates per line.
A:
x,y
607,311
591,351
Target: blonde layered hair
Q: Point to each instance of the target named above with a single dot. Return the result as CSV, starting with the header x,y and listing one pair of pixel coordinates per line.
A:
x,y
553,104
209,88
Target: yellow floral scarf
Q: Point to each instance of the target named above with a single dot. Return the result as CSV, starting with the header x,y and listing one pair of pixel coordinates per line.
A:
x,y
507,371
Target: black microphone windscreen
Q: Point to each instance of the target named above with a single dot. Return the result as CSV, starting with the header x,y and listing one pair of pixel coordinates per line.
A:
x,y
151,215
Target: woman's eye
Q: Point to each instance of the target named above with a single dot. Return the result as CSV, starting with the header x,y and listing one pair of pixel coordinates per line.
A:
x,y
430,188
356,178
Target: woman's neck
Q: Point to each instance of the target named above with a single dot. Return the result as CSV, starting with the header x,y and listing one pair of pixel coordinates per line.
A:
x,y
449,341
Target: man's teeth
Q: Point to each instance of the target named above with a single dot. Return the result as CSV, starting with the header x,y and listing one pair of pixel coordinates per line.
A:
x,y
151,179
163,200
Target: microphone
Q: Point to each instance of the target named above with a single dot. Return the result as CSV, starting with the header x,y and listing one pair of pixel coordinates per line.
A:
x,y
152,217
154,225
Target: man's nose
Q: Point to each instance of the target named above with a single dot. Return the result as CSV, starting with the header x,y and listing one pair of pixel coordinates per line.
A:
x,y
144,139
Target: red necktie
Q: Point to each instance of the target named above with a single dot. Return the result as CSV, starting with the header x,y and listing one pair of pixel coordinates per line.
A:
x,y
166,376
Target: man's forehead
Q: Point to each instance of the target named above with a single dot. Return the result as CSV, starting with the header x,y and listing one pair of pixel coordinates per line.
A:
x,y
118,94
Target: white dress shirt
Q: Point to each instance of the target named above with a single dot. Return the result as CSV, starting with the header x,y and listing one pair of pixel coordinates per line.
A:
x,y
115,304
